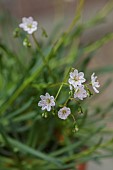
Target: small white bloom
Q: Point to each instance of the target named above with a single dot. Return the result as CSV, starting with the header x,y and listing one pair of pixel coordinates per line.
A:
x,y
80,92
46,102
64,113
95,84
76,78
28,25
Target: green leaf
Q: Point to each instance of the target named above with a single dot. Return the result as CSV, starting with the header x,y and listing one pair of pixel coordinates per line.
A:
x,y
26,149
94,46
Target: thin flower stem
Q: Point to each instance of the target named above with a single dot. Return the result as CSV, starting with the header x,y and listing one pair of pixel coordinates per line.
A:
x,y
75,100
89,84
86,86
59,91
57,84
43,57
38,48
73,118
77,15
62,84
66,101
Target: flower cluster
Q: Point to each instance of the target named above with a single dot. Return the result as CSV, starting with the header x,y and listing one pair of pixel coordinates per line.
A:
x,y
76,81
79,90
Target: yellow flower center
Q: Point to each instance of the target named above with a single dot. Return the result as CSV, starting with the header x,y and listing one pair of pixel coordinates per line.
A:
x,y
64,112
29,25
48,101
76,78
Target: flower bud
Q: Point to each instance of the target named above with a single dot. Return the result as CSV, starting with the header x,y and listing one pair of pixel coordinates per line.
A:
x,y
16,33
80,111
89,93
26,43
44,114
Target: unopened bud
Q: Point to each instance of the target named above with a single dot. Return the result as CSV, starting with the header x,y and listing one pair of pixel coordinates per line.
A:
x,y
44,115
76,128
53,113
44,33
16,33
80,111
89,93
26,43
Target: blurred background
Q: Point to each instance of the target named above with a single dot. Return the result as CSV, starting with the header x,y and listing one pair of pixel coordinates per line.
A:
x,y
51,12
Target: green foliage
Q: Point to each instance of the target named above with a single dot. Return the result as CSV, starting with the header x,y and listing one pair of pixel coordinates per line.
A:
x,y
29,141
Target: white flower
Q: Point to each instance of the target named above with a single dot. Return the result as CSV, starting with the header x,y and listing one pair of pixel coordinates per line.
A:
x,y
80,92
64,113
76,78
46,102
28,25
95,84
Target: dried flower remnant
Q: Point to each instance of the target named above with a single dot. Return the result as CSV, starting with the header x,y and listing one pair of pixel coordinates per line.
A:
x,y
46,102
64,113
28,25
95,84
